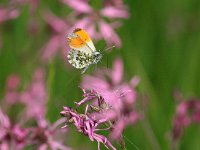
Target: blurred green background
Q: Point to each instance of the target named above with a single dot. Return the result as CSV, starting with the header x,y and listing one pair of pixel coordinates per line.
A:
x,y
161,44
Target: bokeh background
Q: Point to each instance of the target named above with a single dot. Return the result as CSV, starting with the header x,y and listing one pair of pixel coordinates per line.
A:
x,y
160,43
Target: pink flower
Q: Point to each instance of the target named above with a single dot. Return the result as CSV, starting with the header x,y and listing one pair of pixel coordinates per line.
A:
x,y
58,39
49,136
110,80
79,5
187,112
8,13
41,134
86,125
111,102
11,135
35,96
91,19
108,107
119,97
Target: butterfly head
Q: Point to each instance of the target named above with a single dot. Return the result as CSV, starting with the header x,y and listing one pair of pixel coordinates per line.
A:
x,y
96,57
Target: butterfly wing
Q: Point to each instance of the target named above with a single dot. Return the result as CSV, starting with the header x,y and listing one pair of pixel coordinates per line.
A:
x,y
80,40
82,53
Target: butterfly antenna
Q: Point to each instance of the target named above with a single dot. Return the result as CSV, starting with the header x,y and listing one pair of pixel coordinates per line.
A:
x,y
106,49
111,47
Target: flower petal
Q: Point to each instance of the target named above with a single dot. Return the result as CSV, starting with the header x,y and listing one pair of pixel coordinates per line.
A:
x,y
51,48
78,5
117,71
114,12
109,34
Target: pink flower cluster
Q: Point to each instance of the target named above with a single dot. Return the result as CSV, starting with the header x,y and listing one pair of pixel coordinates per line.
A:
x,y
187,112
87,125
100,23
84,16
17,133
109,102
90,19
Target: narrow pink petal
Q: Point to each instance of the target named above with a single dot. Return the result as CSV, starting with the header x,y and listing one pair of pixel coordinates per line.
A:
x,y
35,96
58,146
122,123
82,23
43,147
135,81
182,108
4,120
51,48
117,71
89,130
113,12
57,24
58,123
103,140
6,14
90,82
127,94
109,34
86,99
92,31
4,146
78,5
104,116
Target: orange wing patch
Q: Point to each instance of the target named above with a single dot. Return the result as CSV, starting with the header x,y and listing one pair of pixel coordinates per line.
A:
x,y
78,38
76,42
82,34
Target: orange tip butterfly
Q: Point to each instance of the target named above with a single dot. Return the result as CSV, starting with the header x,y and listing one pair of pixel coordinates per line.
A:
x,y
82,50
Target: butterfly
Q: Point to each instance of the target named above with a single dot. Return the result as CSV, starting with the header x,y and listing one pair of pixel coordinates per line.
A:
x,y
82,51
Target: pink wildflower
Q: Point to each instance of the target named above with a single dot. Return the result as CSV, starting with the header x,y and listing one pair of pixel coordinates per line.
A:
x,y
118,96
88,126
43,135
47,136
110,103
58,39
35,96
94,18
187,112
11,135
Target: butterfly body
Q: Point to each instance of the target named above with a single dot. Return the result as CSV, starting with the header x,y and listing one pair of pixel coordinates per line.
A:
x,y
83,52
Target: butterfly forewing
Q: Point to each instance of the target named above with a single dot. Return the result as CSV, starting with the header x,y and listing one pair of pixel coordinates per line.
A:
x,y
80,40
